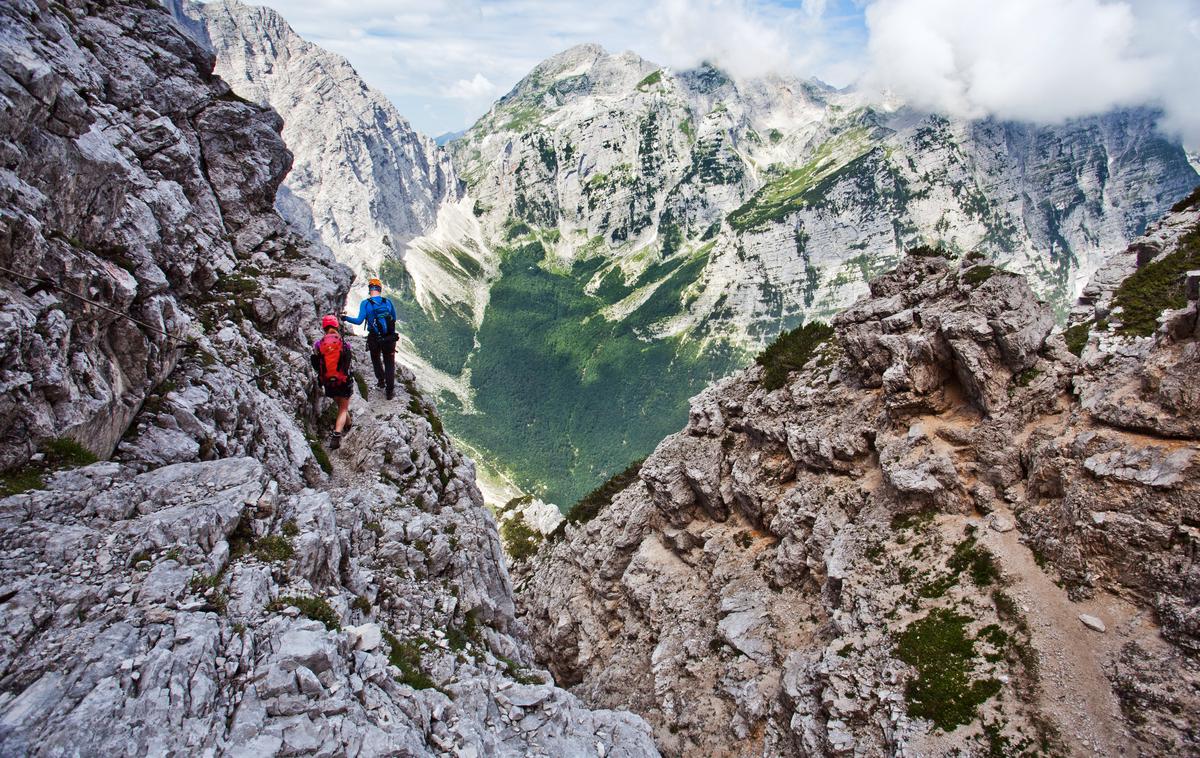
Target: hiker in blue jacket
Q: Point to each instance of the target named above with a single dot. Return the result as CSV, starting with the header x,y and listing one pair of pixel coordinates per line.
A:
x,y
380,316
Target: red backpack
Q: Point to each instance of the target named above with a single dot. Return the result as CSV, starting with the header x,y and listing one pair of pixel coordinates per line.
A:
x,y
334,359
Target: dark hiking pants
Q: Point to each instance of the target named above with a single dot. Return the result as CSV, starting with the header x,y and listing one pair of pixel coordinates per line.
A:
x,y
383,360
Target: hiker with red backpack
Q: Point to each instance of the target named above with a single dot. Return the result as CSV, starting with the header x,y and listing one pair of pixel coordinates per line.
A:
x,y
380,316
331,360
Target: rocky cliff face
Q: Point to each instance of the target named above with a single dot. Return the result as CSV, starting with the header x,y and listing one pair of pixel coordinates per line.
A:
x,y
681,219
944,534
364,183
216,584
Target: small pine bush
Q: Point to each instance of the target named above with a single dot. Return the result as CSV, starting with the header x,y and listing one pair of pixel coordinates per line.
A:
x,y
790,351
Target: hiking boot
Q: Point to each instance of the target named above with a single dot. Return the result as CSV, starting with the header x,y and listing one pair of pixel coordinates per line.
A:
x,y
335,441
390,393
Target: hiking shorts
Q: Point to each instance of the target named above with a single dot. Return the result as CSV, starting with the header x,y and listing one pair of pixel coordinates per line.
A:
x,y
333,389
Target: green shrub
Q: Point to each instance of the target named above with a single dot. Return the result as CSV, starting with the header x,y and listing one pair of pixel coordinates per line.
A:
x,y
790,351
406,656
361,604
520,541
979,274
601,497
1156,286
315,608
939,647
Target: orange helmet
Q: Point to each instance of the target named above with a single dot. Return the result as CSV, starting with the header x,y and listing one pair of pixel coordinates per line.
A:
x,y
330,321
374,284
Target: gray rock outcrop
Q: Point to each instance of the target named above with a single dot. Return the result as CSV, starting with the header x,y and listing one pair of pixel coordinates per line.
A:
x,y
364,181
215,584
892,554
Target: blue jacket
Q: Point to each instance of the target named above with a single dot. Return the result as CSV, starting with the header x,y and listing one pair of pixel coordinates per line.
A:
x,y
367,310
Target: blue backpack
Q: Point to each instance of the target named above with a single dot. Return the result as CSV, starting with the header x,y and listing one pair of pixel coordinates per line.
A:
x,y
381,317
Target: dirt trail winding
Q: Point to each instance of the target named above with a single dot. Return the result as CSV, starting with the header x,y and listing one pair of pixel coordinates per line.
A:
x,y
1073,658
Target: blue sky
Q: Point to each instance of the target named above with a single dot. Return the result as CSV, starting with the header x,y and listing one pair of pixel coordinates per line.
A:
x,y
443,62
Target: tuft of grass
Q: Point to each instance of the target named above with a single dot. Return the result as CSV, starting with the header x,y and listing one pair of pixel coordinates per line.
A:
x,y
406,656
64,452
361,384
273,547
60,453
315,608
942,652
289,528
790,351
21,480
601,497
520,541
319,453
361,604
1156,287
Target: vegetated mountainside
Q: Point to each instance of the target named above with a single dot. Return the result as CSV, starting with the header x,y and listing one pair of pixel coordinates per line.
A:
x,y
941,533
645,230
210,587
364,183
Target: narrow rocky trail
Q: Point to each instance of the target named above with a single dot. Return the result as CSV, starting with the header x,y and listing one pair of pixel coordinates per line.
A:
x,y
1074,688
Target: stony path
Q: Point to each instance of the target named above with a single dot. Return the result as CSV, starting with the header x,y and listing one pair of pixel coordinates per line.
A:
x,y
1074,688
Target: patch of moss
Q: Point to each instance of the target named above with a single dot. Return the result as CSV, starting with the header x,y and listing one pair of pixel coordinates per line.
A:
x,y
977,561
315,608
790,351
942,652
520,541
1156,287
406,656
650,80
1076,337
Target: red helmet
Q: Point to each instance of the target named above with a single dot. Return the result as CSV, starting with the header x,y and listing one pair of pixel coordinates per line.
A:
x,y
330,321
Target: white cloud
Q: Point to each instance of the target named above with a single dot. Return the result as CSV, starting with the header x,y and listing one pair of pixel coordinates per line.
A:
x,y
1037,60
478,87
727,33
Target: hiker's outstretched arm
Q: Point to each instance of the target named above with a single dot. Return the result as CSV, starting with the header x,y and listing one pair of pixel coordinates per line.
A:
x,y
362,314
